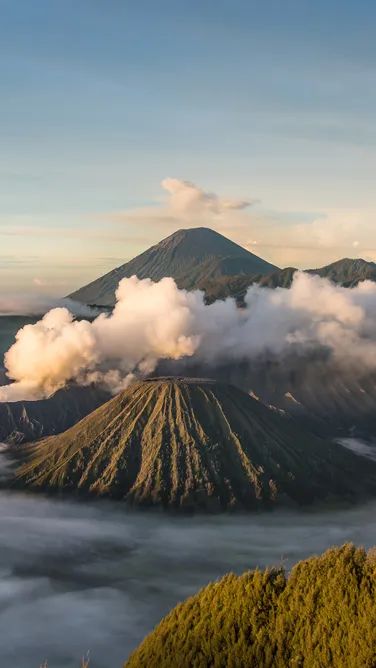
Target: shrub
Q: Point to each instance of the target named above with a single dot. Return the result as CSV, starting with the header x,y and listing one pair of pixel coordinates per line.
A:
x,y
322,615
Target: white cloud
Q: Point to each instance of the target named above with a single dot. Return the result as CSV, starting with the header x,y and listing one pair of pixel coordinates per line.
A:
x,y
39,282
187,199
284,238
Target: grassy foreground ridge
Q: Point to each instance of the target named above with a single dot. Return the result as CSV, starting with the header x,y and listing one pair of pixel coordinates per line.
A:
x,y
322,615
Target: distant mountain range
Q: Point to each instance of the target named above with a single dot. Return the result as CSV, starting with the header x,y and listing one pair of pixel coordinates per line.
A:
x,y
195,445
200,258
347,272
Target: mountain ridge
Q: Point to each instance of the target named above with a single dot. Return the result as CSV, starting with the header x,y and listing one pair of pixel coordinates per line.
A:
x,y
22,421
347,271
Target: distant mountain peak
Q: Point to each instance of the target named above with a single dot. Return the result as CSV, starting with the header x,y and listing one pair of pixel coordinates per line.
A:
x,y
202,241
352,262
190,255
347,271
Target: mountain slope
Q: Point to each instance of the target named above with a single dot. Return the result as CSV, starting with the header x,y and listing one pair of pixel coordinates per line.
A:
x,y
237,286
348,272
193,444
22,421
189,256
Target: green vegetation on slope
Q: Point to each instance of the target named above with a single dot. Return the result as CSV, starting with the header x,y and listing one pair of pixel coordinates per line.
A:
x,y
323,615
194,444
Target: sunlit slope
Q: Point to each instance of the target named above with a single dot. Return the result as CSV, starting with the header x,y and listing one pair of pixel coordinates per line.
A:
x,y
193,444
323,614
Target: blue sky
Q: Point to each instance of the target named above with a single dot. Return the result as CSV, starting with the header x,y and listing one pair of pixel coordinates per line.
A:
x,y
101,101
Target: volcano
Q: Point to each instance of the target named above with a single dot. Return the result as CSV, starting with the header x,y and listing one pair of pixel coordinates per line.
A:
x,y
191,257
200,258
196,445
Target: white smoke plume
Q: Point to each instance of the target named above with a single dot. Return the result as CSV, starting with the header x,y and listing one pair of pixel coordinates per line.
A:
x,y
31,304
157,321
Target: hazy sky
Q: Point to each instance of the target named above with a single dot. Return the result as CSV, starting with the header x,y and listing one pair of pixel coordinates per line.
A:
x,y
267,102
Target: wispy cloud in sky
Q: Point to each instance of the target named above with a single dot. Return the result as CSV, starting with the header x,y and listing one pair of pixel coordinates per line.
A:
x,y
308,239
262,113
186,199
72,255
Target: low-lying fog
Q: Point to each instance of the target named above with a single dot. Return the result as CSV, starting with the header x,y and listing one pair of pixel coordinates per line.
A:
x,y
91,576
363,448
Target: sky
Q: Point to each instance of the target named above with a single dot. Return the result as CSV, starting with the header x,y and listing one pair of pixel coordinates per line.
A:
x,y
122,121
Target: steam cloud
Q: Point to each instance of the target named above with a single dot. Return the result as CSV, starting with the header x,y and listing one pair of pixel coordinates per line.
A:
x,y
157,321
29,304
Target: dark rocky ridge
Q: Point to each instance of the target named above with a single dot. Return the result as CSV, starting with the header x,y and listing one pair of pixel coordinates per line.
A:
x,y
193,444
22,421
347,272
